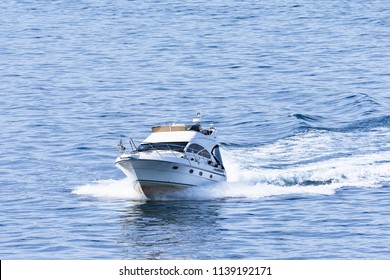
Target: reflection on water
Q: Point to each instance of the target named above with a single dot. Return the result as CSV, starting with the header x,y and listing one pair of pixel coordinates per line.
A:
x,y
170,229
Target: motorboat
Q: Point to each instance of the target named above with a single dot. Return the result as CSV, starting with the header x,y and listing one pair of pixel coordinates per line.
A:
x,y
172,158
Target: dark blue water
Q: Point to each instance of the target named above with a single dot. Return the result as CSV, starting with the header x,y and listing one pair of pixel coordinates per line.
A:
x,y
299,91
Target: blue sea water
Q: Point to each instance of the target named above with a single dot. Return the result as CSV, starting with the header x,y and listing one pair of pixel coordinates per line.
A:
x,y
299,90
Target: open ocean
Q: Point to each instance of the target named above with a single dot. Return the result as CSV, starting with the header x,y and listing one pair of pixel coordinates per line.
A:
x,y
300,93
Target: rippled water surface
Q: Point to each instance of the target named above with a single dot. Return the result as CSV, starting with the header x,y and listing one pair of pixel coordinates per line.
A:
x,y
299,91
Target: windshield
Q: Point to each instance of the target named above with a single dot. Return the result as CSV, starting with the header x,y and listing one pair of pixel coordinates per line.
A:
x,y
173,146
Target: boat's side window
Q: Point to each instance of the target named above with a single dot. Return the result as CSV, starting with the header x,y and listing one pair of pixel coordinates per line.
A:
x,y
198,149
205,153
194,148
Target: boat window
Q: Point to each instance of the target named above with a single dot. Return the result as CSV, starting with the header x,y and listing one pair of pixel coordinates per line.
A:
x,y
194,148
173,146
198,149
205,153
217,155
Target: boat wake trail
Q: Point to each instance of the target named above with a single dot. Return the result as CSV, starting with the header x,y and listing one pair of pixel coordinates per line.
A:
x,y
318,162
315,162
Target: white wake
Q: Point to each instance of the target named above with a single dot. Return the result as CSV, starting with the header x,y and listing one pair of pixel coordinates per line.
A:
x,y
318,162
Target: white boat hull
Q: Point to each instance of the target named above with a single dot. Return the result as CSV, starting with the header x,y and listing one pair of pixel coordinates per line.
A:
x,y
172,158
156,177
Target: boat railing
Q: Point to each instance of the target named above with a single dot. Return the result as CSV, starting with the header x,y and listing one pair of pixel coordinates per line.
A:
x,y
172,148
132,145
174,151
122,149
